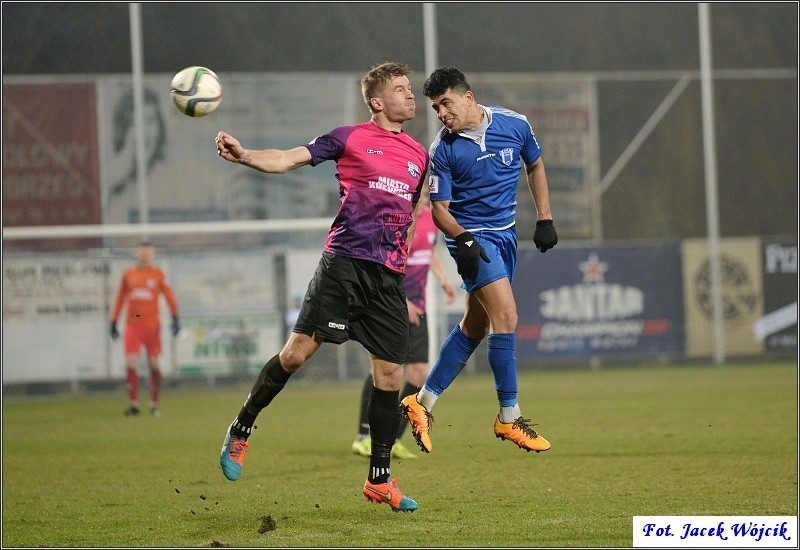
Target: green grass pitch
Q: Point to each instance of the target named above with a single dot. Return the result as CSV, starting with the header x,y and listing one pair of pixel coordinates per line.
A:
x,y
640,440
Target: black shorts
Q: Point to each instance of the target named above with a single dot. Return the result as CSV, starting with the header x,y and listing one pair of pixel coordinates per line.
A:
x,y
351,299
418,341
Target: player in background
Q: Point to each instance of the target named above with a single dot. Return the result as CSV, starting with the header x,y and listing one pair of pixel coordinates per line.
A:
x,y
475,167
357,290
142,285
423,258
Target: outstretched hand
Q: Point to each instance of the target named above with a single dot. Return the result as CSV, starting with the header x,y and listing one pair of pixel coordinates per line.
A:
x,y
228,147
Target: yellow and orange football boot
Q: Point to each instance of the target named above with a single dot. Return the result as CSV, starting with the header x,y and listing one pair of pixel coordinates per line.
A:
x,y
420,420
522,434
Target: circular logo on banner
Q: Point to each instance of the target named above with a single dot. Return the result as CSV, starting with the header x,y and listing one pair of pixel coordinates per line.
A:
x,y
739,295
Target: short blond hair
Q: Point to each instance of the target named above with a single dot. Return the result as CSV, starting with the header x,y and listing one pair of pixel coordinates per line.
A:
x,y
378,76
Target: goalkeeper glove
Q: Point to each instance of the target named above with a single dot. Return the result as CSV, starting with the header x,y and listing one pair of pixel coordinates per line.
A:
x,y
176,325
114,331
544,236
469,253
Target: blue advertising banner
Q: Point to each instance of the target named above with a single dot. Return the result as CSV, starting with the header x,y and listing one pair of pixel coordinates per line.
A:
x,y
599,301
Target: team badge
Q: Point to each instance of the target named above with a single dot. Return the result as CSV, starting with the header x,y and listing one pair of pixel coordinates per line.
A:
x,y
507,156
414,170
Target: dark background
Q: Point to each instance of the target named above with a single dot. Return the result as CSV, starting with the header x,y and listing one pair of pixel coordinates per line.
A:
x,y
660,193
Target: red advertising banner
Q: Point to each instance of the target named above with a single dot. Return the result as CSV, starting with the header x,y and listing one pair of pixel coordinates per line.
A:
x,y
51,173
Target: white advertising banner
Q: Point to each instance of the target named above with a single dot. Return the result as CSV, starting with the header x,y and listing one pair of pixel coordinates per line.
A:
x,y
187,180
224,282
54,319
228,344
63,289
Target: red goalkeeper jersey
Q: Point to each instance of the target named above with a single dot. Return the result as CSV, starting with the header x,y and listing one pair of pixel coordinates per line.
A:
x,y
142,287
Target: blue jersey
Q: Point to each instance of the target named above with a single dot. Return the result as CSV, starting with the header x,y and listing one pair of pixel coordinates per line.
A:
x,y
478,170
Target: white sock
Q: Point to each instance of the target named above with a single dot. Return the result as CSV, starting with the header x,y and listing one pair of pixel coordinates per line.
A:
x,y
427,398
510,414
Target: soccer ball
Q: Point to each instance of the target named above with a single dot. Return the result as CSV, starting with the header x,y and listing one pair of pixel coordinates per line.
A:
x,y
196,91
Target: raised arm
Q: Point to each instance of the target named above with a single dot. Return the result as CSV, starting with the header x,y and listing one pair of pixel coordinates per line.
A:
x,y
271,161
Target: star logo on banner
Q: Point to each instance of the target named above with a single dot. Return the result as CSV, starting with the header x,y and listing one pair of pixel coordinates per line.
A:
x,y
593,269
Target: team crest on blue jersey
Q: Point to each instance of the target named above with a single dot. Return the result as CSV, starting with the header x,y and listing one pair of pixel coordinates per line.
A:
x,y
413,169
507,156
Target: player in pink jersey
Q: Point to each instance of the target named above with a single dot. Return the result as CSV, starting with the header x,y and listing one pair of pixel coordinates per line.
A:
x,y
357,291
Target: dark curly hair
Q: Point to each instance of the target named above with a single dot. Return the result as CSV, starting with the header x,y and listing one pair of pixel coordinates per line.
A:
x,y
445,78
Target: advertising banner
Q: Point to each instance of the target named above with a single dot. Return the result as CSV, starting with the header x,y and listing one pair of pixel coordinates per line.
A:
x,y
51,172
54,319
599,301
229,316
778,327
185,178
227,344
64,289
741,292
224,282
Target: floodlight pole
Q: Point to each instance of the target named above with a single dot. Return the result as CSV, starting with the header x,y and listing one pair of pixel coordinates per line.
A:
x,y
430,41
138,109
710,157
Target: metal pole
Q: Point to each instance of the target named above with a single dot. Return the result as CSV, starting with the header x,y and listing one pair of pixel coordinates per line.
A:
x,y
431,59
710,157
434,299
138,109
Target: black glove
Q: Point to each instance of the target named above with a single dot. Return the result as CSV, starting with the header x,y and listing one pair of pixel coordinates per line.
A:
x,y
114,331
176,325
544,236
470,253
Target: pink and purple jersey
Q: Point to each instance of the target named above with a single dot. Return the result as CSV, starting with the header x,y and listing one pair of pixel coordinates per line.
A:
x,y
380,174
419,262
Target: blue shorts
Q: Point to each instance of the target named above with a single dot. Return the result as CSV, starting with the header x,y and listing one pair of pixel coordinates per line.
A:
x,y
501,247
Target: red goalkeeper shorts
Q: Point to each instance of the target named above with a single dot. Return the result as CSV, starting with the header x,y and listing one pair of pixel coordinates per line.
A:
x,y
148,336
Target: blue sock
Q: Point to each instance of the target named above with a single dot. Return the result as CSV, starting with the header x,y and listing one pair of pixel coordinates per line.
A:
x,y
504,367
456,349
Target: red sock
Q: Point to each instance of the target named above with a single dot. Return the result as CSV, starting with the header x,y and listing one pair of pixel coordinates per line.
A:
x,y
132,385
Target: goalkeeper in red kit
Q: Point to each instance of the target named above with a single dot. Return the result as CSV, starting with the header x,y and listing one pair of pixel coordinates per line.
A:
x,y
142,285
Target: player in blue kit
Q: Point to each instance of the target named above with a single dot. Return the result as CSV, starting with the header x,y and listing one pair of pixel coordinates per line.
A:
x,y
357,290
475,166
